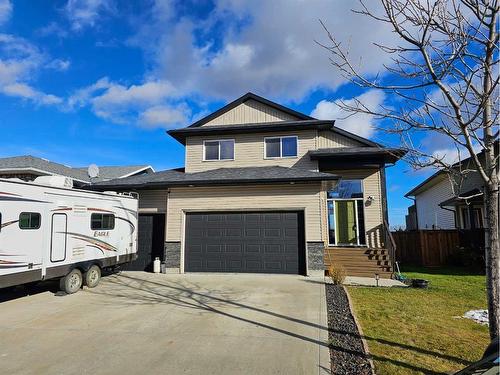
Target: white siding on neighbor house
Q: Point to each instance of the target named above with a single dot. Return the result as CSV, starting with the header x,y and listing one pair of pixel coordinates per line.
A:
x,y
249,152
246,198
329,139
249,112
153,201
428,211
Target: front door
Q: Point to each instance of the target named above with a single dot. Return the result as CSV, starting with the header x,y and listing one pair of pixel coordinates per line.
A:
x,y
346,216
346,222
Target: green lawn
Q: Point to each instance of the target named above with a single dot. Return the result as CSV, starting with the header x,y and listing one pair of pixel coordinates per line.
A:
x,y
416,331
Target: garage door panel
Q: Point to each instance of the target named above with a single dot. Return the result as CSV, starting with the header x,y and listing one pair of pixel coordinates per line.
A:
x,y
233,232
234,248
270,242
213,264
253,266
253,248
196,249
215,218
234,265
273,266
215,249
273,249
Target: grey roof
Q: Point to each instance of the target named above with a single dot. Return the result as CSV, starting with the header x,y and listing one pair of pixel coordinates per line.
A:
x,y
474,195
221,176
181,134
112,172
28,162
262,127
443,172
387,154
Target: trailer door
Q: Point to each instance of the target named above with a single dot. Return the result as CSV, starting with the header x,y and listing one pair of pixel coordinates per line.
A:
x,y
58,239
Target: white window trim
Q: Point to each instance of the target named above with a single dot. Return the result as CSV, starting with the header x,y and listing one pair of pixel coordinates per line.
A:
x,y
336,244
218,140
280,138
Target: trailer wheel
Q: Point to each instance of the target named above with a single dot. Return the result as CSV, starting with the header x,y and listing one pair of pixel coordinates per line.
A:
x,y
92,277
72,282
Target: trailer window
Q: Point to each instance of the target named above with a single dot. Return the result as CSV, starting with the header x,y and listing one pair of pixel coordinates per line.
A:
x,y
29,220
102,221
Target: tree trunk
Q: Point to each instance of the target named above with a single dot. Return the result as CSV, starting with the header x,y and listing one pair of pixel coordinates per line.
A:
x,y
492,255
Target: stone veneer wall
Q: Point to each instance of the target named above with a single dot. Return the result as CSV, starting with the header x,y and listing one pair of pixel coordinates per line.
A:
x,y
315,256
173,256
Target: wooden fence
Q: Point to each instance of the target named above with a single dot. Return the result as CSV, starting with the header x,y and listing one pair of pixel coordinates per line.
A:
x,y
433,248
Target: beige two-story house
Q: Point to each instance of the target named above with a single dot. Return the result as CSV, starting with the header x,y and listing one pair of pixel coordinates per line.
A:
x,y
266,189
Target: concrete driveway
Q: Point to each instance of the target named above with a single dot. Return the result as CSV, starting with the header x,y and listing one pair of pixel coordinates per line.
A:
x,y
139,323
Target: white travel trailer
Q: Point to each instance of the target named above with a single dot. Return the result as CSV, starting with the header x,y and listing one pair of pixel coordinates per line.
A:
x,y
50,230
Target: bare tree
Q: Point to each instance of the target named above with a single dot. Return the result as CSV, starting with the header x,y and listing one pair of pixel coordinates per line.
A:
x,y
444,75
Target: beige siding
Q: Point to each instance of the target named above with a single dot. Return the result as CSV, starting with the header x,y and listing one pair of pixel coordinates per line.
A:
x,y
250,112
153,200
244,198
373,212
329,139
249,152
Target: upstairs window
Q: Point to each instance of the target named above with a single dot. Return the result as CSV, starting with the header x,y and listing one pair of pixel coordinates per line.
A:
x,y
29,220
218,150
102,221
280,147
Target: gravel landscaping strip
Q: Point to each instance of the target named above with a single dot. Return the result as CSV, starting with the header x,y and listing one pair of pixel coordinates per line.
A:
x,y
347,352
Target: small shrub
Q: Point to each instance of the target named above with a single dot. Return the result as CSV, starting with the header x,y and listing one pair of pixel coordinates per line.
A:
x,y
471,257
337,273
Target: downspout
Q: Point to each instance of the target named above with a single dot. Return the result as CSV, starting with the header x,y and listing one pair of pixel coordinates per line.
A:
x,y
416,211
454,214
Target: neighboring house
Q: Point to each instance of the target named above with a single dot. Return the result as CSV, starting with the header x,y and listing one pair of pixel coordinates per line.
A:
x,y
28,168
444,201
266,189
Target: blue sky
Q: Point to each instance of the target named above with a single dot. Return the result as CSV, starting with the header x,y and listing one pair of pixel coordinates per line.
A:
x,y
99,81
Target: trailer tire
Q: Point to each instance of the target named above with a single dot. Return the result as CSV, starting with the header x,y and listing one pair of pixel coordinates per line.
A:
x,y
72,282
92,277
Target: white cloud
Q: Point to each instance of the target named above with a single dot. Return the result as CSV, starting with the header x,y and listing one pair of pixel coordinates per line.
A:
x,y
83,13
164,116
53,28
19,63
58,64
453,155
360,124
149,92
25,91
5,11
266,46
150,104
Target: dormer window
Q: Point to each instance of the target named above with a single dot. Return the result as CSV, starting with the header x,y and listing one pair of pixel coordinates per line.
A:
x,y
280,147
218,150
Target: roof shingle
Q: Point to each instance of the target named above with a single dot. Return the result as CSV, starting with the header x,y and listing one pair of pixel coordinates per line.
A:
x,y
221,176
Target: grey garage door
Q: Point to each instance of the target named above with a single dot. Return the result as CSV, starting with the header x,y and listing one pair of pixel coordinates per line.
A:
x,y
262,242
